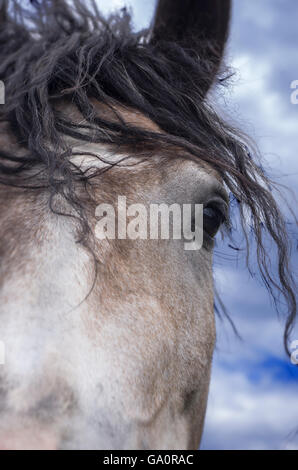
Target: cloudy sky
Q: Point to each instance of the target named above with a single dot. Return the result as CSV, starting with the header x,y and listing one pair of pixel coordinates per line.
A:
x,y
253,402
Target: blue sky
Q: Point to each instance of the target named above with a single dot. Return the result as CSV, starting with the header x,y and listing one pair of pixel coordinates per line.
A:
x,y
253,401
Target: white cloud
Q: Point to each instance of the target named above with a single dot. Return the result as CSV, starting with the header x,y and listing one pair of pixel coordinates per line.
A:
x,y
246,415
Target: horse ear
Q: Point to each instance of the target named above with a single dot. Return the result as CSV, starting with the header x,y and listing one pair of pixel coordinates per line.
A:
x,y
194,22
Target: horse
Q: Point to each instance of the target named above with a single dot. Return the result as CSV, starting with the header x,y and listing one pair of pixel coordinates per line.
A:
x,y
109,342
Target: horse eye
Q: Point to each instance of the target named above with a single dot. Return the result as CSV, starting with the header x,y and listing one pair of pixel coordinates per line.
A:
x,y
213,217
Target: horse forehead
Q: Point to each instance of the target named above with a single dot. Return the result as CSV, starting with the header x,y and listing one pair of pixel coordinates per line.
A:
x,y
137,118
180,159
129,115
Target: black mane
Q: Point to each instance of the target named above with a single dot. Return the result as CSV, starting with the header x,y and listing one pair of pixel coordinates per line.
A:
x,y
50,52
